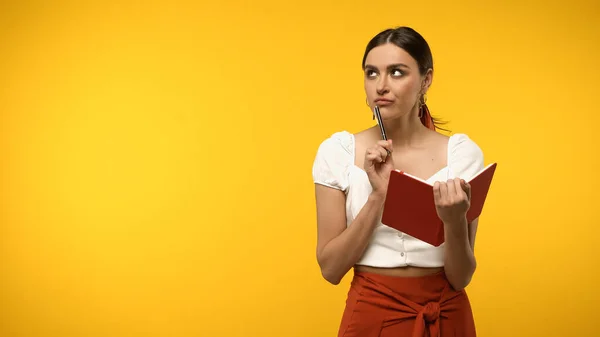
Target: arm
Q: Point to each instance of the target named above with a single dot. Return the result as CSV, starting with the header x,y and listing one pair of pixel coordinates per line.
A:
x,y
453,201
460,262
339,247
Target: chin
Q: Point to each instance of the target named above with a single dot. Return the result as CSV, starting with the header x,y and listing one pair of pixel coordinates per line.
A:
x,y
388,112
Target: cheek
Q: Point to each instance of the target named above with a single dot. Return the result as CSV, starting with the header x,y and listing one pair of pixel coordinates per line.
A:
x,y
369,86
370,89
406,92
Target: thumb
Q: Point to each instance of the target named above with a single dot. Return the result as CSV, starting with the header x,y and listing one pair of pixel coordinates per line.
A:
x,y
466,187
389,161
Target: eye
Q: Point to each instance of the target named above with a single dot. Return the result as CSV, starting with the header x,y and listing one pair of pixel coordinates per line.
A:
x,y
370,73
397,72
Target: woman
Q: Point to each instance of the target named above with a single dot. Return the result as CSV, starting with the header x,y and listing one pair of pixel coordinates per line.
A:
x,y
402,286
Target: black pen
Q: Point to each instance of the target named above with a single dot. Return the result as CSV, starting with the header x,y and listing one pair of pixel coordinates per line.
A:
x,y
380,122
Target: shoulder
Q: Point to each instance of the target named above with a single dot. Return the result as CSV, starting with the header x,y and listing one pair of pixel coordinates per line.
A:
x,y
341,142
465,157
462,145
334,156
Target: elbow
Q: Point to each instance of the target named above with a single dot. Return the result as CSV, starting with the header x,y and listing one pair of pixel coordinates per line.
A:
x,y
461,284
462,280
333,279
329,274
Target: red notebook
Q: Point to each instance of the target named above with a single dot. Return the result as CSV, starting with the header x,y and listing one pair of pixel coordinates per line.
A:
x,y
410,208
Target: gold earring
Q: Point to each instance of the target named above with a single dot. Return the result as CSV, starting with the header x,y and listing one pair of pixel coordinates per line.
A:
x,y
422,102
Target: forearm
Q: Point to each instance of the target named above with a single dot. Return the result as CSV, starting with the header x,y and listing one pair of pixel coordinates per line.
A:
x,y
459,261
341,253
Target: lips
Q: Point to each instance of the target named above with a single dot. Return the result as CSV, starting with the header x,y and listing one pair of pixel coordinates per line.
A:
x,y
383,101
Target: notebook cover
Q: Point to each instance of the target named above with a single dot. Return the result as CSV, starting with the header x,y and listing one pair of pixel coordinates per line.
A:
x,y
410,207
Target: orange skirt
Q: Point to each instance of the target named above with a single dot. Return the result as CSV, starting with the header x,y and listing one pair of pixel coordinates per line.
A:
x,y
386,306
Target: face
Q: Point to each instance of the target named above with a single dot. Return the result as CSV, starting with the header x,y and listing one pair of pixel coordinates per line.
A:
x,y
393,81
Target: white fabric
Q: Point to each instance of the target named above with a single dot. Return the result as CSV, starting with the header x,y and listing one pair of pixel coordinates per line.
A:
x,y
334,167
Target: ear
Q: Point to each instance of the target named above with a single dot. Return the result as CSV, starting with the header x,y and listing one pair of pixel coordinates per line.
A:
x,y
427,79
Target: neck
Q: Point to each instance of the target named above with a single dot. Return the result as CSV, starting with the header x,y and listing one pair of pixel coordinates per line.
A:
x,y
405,130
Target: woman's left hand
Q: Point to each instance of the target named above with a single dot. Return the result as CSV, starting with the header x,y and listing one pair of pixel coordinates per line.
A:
x,y
452,200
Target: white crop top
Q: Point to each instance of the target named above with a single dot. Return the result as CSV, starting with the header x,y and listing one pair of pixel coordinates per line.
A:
x,y
334,167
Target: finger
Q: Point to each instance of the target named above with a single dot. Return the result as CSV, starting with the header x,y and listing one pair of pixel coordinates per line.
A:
x,y
463,185
468,190
389,161
463,195
382,152
437,194
378,151
443,192
386,144
458,187
451,189
373,157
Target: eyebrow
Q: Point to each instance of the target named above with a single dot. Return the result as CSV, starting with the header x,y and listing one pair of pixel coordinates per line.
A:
x,y
391,66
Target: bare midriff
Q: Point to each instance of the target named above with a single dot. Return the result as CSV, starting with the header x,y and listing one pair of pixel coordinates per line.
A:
x,y
408,271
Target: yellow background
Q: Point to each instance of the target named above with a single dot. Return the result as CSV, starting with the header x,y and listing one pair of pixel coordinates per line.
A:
x,y
156,160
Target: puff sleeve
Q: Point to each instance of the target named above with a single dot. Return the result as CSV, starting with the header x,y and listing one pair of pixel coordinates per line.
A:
x,y
466,157
332,161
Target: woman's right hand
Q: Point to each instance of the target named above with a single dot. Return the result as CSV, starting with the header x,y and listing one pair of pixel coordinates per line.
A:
x,y
378,165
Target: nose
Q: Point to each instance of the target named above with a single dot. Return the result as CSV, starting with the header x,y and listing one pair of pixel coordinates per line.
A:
x,y
382,85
